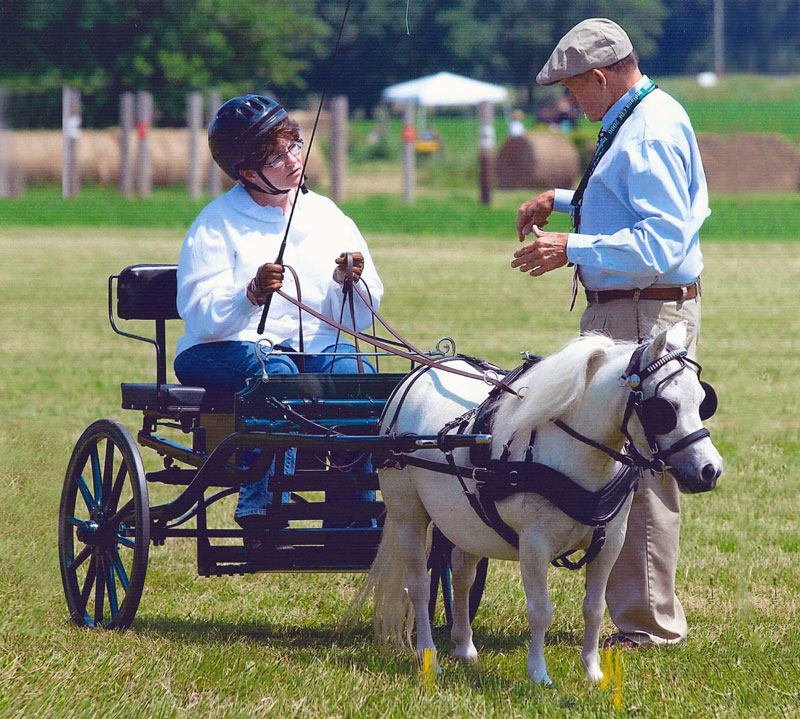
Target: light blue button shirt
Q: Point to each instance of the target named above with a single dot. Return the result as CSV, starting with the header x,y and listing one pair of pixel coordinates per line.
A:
x,y
644,204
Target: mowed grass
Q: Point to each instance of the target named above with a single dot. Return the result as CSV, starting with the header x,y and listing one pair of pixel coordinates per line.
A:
x,y
267,645
442,212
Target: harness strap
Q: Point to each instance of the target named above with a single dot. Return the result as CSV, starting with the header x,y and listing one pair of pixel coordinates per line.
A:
x,y
595,545
622,458
505,479
683,443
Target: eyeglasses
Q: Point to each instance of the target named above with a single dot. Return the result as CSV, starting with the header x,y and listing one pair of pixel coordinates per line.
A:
x,y
280,159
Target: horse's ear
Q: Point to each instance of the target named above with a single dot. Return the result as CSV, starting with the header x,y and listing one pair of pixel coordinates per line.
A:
x,y
656,348
678,334
595,362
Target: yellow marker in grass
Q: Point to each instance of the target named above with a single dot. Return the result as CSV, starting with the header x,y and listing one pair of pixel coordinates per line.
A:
x,y
429,668
613,675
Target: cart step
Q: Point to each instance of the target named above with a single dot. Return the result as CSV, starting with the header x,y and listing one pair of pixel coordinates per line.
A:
x,y
291,558
319,480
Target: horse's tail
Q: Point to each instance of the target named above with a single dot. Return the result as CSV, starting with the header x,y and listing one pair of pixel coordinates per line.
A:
x,y
393,618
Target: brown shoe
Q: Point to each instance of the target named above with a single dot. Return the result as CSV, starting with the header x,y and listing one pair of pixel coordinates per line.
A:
x,y
620,641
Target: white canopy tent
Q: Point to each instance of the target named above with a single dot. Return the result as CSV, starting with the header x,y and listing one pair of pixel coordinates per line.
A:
x,y
445,89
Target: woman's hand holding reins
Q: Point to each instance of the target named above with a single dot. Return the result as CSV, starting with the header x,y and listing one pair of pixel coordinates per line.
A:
x,y
268,279
341,267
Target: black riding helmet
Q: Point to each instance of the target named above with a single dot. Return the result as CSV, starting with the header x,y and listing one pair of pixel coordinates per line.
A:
x,y
237,132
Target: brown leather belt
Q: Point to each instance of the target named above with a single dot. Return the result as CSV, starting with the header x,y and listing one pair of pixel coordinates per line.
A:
x,y
665,294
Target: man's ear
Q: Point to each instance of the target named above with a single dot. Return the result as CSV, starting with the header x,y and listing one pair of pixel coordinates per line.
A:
x,y
599,77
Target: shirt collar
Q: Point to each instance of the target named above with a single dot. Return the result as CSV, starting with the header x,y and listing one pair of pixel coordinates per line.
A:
x,y
245,204
616,108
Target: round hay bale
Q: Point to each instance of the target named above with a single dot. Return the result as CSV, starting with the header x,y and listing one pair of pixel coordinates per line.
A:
x,y
748,162
35,156
537,159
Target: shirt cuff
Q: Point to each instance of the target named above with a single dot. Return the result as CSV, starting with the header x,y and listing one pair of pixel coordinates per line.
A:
x,y
242,301
562,200
579,247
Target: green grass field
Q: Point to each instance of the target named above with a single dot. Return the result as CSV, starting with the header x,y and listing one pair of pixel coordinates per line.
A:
x,y
267,645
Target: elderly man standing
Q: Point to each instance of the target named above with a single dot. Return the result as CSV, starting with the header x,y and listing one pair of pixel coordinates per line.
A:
x,y
636,214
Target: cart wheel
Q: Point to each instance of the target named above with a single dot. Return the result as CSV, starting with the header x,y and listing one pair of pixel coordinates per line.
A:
x,y
439,563
104,528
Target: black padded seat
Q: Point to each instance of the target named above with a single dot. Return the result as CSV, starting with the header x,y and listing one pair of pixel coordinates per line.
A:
x,y
174,397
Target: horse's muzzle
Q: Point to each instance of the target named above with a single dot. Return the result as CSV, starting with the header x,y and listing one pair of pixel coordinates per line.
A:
x,y
704,481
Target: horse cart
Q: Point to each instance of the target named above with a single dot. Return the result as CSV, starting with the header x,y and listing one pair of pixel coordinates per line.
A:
x,y
106,522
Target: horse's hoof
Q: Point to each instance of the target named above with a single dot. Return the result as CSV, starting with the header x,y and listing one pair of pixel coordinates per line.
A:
x,y
469,657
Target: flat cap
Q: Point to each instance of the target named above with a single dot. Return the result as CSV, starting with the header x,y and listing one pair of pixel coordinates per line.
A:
x,y
596,42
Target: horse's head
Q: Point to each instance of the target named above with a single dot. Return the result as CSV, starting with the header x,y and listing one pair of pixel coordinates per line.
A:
x,y
672,403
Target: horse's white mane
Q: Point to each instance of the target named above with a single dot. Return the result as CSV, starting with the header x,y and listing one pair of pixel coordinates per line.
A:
x,y
553,385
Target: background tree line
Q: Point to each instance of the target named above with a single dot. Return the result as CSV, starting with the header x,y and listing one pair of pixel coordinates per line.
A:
x,y
104,47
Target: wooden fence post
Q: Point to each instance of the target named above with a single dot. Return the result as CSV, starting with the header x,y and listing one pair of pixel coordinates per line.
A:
x,y
486,144
5,165
70,132
214,173
144,121
339,139
409,156
126,126
194,111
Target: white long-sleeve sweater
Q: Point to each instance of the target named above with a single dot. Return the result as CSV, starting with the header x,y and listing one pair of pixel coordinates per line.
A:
x,y
233,236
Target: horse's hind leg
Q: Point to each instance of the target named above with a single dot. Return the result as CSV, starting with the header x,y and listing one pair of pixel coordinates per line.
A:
x,y
463,567
411,524
533,564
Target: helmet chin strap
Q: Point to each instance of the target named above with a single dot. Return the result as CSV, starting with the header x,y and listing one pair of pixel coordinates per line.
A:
x,y
272,190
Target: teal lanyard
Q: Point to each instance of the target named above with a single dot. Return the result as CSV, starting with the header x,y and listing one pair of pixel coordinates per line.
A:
x,y
603,143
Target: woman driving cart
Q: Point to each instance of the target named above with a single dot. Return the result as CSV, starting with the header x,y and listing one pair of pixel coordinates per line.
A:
x,y
226,274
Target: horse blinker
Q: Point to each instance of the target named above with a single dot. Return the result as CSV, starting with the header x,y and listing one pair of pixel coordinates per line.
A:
x,y
659,416
708,406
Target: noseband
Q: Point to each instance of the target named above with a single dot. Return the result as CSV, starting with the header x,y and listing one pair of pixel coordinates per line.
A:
x,y
657,415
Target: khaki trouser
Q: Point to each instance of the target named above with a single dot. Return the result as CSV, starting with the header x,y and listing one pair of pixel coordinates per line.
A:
x,y
641,589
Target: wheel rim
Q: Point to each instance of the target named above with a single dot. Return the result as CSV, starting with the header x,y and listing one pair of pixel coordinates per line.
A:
x,y
104,528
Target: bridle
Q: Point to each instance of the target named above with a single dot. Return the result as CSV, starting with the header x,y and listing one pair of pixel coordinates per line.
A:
x,y
657,415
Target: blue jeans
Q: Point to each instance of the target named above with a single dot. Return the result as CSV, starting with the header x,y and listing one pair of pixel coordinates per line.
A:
x,y
227,366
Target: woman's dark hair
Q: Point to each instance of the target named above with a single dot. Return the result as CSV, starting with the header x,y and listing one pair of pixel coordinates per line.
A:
x,y
287,129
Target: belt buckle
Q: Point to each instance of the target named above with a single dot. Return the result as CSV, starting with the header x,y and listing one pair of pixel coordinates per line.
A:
x,y
684,292
636,294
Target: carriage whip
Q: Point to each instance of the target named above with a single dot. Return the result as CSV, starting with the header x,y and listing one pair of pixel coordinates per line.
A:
x,y
279,259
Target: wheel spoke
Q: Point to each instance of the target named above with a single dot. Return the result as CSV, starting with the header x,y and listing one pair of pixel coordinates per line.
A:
x,y
99,593
108,468
124,541
85,493
119,567
119,483
97,476
77,522
112,587
87,583
80,559
122,513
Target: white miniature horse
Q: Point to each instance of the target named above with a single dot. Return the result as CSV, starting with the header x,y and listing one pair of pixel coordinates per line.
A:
x,y
579,385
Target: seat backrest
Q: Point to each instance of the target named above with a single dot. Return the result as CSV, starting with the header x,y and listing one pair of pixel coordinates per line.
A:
x,y
148,292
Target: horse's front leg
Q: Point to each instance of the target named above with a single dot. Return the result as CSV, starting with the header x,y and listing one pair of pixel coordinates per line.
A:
x,y
463,567
594,601
534,561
